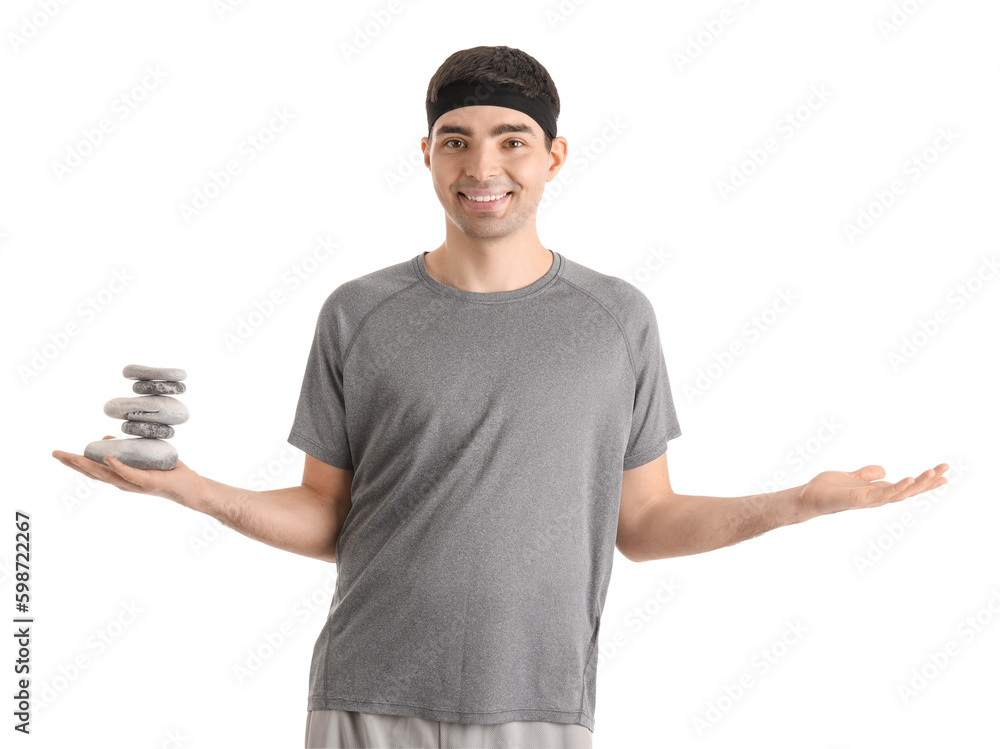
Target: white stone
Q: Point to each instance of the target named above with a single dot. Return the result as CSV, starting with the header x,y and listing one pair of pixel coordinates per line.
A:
x,y
159,409
139,372
138,452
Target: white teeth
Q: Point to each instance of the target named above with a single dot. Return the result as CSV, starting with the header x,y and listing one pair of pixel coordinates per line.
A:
x,y
487,198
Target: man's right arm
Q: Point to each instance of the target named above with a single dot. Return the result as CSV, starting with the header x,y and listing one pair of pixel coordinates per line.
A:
x,y
304,519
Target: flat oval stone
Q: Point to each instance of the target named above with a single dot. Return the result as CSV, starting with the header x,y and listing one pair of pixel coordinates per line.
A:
x,y
148,429
139,372
158,387
159,409
137,452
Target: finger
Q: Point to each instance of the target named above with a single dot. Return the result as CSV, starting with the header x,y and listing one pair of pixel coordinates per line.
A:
x,y
887,492
870,473
929,479
107,474
933,480
84,465
135,477
98,470
926,478
69,459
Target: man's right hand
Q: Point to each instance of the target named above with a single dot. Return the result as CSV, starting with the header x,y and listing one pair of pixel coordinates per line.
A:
x,y
180,484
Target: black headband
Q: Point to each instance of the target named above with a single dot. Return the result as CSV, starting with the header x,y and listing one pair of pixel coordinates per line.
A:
x,y
456,95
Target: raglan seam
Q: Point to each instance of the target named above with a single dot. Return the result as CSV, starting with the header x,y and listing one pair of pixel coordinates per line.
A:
x,y
621,328
661,442
364,320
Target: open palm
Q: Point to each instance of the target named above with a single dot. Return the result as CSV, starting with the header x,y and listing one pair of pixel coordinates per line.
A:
x,y
174,484
834,491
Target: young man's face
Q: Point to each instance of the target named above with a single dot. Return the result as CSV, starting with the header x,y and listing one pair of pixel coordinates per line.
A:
x,y
469,157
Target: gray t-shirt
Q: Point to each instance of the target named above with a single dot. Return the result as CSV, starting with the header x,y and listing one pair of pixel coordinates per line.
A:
x,y
488,433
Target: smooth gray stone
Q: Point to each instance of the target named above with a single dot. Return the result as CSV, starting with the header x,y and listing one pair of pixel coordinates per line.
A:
x,y
158,387
159,409
148,429
139,372
137,452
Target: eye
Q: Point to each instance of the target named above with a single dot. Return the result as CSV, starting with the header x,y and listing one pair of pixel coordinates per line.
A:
x,y
452,140
517,140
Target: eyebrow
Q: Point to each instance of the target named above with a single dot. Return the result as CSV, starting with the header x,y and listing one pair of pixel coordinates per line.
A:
x,y
496,132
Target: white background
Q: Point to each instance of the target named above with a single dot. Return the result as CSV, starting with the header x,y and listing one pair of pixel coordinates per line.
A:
x,y
819,378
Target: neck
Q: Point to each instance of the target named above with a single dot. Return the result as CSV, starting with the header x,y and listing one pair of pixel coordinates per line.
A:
x,y
489,265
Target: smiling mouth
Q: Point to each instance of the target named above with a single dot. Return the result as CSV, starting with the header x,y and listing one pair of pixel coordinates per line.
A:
x,y
485,200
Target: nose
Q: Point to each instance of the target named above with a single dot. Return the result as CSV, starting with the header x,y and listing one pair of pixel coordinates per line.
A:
x,y
482,162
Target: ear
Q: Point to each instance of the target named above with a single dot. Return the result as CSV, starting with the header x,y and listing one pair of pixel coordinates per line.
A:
x,y
557,157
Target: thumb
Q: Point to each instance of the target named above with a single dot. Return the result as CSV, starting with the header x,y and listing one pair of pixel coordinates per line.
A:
x,y
870,473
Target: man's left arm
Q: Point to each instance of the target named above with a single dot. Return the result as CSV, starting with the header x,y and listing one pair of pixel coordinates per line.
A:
x,y
656,523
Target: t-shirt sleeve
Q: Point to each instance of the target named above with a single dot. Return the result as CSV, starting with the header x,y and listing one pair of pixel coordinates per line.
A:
x,y
654,420
320,424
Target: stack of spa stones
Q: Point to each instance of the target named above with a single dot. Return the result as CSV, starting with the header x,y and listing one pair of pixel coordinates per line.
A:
x,y
149,417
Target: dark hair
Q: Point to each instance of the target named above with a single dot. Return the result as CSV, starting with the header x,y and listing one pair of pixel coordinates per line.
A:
x,y
496,65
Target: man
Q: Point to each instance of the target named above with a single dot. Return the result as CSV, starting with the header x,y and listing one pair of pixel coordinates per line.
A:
x,y
483,424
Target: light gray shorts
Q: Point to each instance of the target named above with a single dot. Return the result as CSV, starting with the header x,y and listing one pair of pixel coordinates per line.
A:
x,y
348,729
